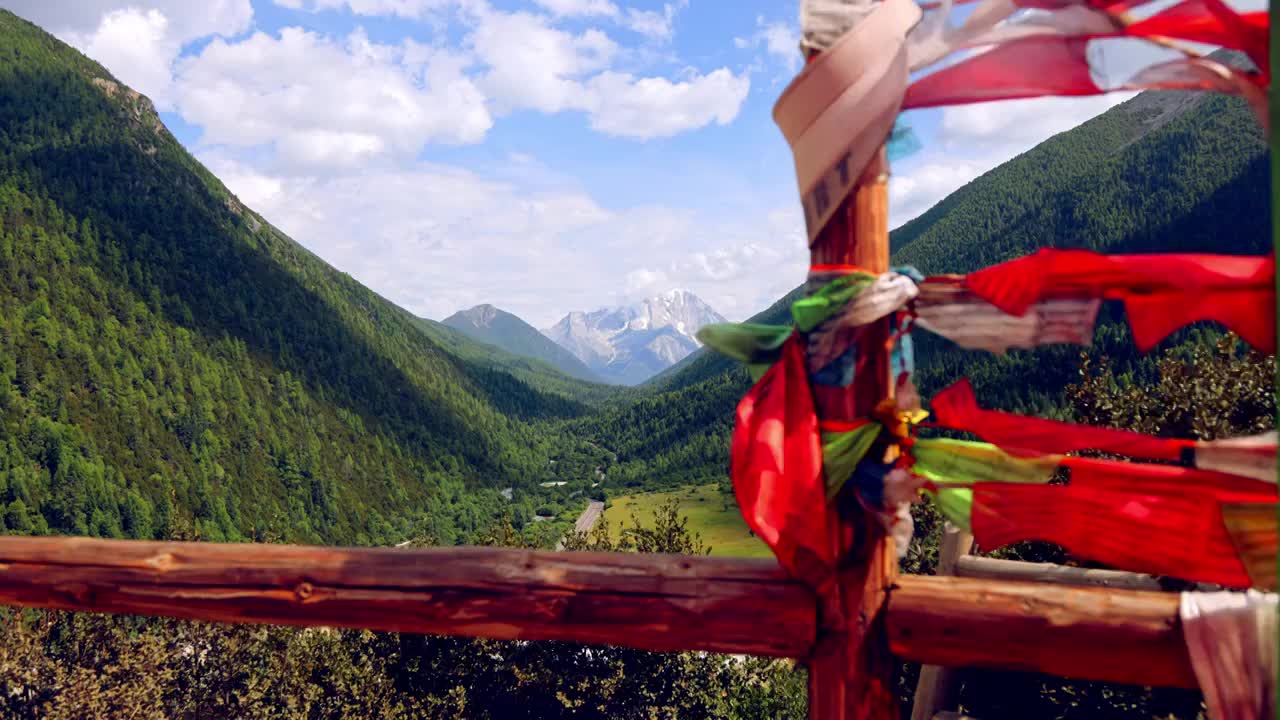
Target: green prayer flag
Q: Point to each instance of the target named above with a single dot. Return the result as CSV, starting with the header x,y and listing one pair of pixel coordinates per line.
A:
x,y
955,504
961,461
841,453
812,311
750,343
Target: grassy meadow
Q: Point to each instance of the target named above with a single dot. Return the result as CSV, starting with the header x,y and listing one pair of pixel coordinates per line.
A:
x,y
711,514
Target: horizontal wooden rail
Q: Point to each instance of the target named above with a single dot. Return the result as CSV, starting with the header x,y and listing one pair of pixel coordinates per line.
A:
x,y
974,566
651,602
1123,636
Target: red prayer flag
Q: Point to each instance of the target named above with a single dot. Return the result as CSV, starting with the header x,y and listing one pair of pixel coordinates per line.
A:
x,y
1053,60
1161,293
957,408
1157,519
1143,477
1211,22
777,468
1024,68
1175,534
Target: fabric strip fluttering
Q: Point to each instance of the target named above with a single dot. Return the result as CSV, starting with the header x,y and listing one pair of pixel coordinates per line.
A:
x,y
1231,640
837,114
1045,51
776,464
1161,293
957,408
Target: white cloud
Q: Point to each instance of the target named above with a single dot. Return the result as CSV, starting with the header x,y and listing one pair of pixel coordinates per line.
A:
x,y
780,40
139,40
532,65
323,134
187,20
658,25
652,23
255,189
646,108
913,192
578,8
137,48
647,282
326,104
398,8
435,239
754,261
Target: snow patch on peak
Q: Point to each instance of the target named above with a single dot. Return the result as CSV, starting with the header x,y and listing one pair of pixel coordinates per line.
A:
x,y
632,343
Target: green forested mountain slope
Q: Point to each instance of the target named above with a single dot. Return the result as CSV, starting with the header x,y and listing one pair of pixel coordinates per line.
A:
x,y
169,362
1161,172
534,373
499,328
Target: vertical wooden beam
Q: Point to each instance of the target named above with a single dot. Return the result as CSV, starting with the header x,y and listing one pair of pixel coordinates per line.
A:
x,y
937,689
850,672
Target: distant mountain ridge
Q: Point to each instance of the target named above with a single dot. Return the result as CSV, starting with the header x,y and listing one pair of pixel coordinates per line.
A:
x,y
631,344
498,327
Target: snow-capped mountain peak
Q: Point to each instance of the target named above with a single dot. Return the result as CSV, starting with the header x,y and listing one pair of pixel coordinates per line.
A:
x,y
633,343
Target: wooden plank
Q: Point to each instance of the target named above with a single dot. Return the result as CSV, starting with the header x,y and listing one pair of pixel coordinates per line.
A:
x,y
938,687
996,569
651,602
1132,637
850,674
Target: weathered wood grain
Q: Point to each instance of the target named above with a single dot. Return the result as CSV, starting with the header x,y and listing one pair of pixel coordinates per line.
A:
x,y
850,673
996,569
652,602
938,687
1117,636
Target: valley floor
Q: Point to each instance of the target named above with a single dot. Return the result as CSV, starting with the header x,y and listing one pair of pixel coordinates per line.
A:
x,y
711,514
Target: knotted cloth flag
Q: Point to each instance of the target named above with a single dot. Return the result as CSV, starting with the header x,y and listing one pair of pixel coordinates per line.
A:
x,y
1158,519
776,465
1231,640
1161,293
956,408
1045,51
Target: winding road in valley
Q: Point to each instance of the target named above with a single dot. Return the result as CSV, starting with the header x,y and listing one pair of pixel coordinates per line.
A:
x,y
586,520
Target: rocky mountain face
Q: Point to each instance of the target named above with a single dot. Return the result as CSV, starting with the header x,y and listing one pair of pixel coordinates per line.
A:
x,y
491,325
628,345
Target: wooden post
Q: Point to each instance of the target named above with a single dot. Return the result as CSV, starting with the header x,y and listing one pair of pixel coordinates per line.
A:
x,y
850,672
937,690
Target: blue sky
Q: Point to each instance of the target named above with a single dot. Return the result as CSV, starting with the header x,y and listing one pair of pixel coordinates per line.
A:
x,y
541,155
